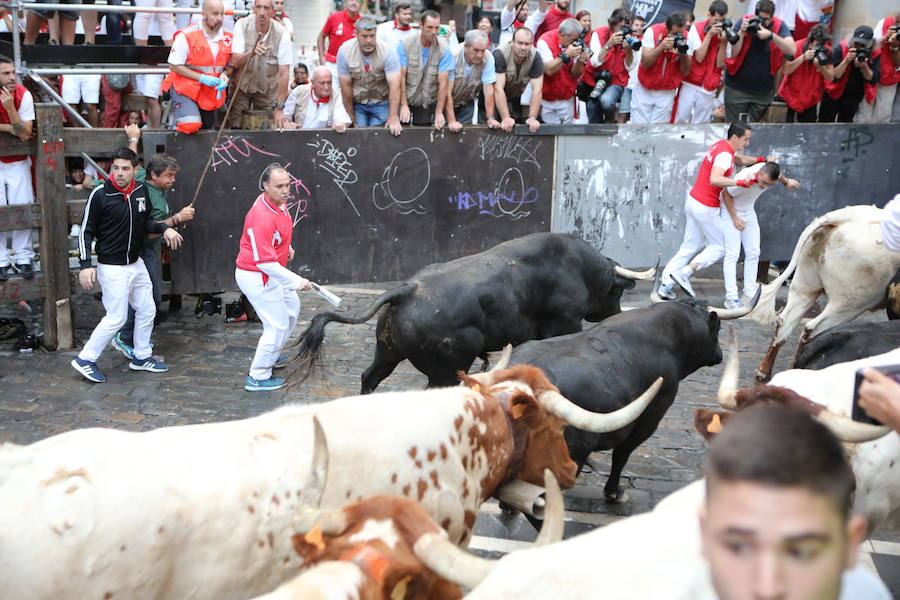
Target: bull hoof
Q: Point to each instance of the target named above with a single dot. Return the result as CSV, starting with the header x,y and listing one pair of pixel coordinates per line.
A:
x,y
507,509
620,497
762,376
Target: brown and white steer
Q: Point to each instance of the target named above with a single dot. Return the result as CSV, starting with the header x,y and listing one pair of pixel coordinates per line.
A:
x,y
211,511
840,254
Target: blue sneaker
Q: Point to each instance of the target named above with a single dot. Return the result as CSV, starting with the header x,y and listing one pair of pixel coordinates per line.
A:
x,y
88,370
122,346
263,385
147,364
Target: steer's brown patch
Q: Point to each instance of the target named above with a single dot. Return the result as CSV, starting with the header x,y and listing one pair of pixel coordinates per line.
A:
x,y
434,480
412,452
422,486
443,452
250,509
431,455
393,478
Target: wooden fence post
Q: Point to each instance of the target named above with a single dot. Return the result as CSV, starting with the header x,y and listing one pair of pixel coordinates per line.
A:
x,y
50,173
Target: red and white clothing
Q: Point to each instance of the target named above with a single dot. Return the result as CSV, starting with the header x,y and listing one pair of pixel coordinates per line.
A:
x,y
338,28
551,22
558,94
720,155
654,93
809,12
697,96
509,23
262,276
744,201
15,184
391,33
802,89
887,101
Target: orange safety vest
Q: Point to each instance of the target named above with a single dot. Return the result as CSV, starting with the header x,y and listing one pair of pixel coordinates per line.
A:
x,y
200,59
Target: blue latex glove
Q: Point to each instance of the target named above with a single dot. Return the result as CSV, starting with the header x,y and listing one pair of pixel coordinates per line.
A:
x,y
223,84
209,80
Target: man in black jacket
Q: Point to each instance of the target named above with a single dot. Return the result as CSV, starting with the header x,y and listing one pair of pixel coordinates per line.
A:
x,y
118,215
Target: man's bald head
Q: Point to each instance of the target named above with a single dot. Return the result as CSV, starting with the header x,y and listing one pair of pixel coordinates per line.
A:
x,y
321,82
213,14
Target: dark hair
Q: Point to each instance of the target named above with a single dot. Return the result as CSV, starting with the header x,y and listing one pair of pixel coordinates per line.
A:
x,y
581,13
126,154
302,66
401,6
160,163
267,173
5,59
737,128
718,7
772,170
819,32
429,14
779,446
676,19
518,29
619,15
637,16
766,6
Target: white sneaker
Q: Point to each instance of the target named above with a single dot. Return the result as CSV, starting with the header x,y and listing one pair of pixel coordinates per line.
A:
x,y
666,292
682,280
733,304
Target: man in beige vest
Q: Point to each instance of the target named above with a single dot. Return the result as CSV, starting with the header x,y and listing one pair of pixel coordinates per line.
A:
x,y
369,72
314,106
474,73
518,66
426,67
262,48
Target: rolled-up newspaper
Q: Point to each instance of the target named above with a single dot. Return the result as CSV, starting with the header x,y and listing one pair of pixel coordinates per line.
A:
x,y
332,298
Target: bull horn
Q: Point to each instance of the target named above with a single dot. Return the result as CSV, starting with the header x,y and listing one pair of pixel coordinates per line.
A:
x,y
310,499
637,275
449,561
554,512
729,382
736,313
850,431
577,417
503,360
654,295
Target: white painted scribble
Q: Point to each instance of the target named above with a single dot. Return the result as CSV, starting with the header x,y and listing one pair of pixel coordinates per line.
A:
x,y
335,161
403,182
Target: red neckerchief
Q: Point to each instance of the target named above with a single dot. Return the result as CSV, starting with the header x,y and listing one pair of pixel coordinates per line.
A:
x,y
407,28
517,23
125,191
318,100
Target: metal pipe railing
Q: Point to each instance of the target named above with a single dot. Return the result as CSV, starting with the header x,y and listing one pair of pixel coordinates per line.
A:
x,y
119,8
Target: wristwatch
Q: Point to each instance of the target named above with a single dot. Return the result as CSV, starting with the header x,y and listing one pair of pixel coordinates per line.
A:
x,y
565,58
279,105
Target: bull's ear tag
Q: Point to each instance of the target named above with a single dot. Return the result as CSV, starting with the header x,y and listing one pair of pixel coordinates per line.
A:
x,y
517,410
314,537
715,426
399,591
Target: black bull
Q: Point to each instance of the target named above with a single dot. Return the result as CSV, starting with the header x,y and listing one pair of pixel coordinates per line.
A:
x,y
602,368
847,342
448,314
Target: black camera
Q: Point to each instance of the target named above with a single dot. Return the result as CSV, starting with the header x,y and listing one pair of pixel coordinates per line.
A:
x,y
208,305
727,26
753,24
681,45
603,78
630,40
862,54
580,43
823,55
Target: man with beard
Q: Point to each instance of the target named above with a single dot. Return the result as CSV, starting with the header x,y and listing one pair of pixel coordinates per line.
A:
x,y
515,14
426,68
558,13
397,29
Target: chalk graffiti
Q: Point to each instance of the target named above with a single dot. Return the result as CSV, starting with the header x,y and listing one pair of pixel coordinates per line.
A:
x,y
335,161
853,146
516,148
232,151
298,201
507,199
403,182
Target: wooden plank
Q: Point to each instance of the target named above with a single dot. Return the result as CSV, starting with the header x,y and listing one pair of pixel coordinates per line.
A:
x,y
10,145
93,141
64,327
75,210
20,216
50,171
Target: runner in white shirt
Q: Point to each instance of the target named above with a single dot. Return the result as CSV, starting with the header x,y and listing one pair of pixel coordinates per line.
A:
x,y
740,227
395,30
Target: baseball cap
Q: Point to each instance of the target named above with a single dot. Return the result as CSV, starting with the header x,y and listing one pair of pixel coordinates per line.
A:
x,y
863,35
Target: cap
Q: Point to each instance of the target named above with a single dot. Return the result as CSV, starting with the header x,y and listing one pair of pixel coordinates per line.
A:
x,y
863,35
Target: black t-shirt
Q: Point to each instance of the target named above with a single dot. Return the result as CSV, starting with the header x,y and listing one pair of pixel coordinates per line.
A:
x,y
755,75
855,88
537,65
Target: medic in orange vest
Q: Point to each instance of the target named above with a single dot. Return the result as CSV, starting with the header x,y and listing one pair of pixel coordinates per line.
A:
x,y
199,64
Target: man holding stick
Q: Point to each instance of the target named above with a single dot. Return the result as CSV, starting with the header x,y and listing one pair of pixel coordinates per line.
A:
x,y
263,277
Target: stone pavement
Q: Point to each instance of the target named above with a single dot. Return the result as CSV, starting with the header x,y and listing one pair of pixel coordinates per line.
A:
x,y
41,395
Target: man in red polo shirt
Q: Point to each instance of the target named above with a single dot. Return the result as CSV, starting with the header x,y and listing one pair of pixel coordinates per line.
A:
x,y
263,277
339,27
558,13
703,226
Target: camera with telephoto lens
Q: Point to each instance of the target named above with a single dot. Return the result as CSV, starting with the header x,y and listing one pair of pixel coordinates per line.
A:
x,y
862,54
604,78
681,45
629,39
753,24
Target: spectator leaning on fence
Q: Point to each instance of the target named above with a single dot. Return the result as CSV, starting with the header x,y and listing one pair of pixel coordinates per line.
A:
x,y
887,101
17,119
753,63
198,77
317,106
706,47
856,73
475,72
564,62
395,30
426,70
518,66
613,55
369,72
663,65
262,51
515,14
338,29
805,76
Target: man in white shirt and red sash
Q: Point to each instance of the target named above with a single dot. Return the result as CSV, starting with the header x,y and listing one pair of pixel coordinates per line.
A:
x,y
706,41
263,277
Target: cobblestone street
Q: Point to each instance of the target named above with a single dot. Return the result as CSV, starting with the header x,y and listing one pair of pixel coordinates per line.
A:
x,y
41,395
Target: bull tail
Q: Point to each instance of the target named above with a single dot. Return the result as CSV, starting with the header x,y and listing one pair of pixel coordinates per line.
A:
x,y
764,313
310,342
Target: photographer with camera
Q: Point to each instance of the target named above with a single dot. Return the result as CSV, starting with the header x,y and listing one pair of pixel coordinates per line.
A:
x,y
856,73
564,59
805,76
664,62
606,75
887,102
707,41
763,41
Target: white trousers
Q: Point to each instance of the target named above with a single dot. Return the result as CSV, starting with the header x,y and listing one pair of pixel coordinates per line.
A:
x,y
651,106
166,21
15,188
886,102
183,20
695,105
558,112
702,227
734,239
123,285
278,308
